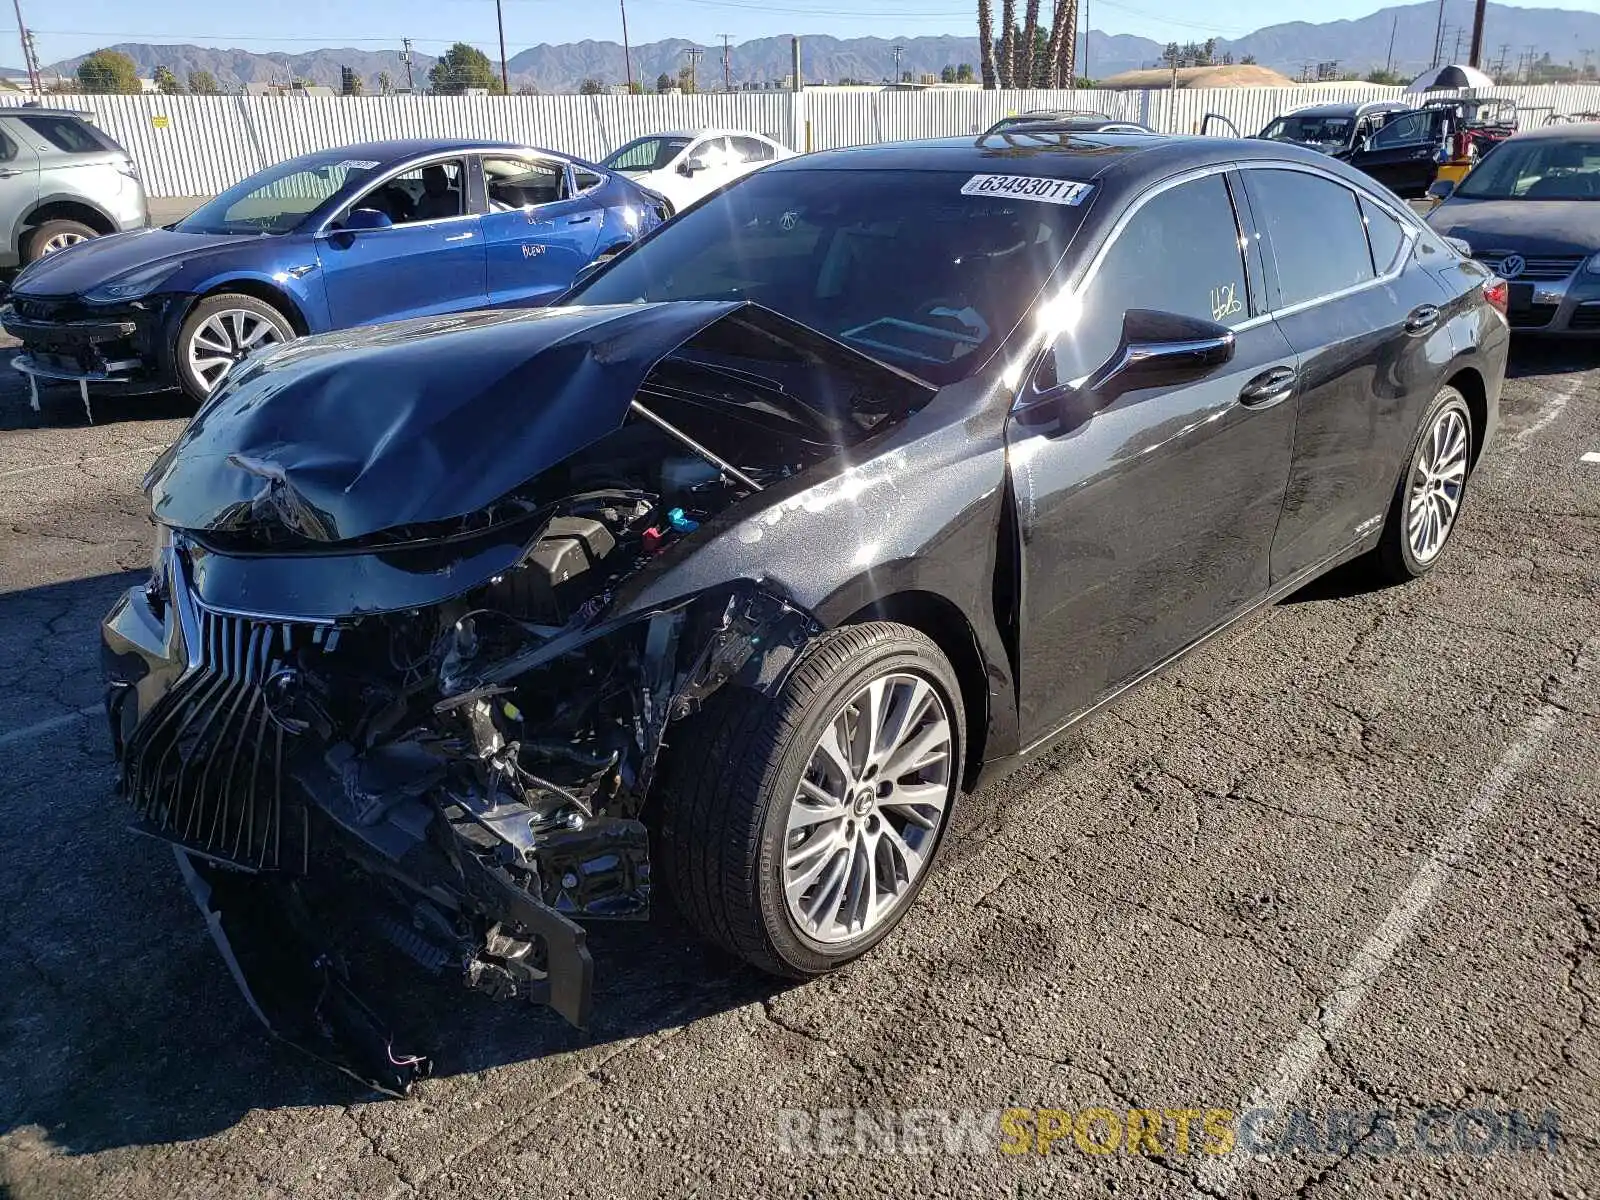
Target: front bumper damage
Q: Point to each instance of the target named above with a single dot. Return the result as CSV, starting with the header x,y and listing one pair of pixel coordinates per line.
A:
x,y
307,843
64,340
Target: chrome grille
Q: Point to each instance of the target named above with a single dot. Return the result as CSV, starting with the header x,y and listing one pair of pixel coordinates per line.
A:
x,y
206,767
1535,269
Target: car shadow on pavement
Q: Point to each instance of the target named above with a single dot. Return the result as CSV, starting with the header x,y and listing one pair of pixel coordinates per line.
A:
x,y
60,407
1535,357
120,1024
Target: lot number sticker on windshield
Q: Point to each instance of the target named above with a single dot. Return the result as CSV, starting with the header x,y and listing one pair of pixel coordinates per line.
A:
x,y
1027,187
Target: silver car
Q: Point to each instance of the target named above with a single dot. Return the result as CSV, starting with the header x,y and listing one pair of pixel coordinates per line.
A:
x,y
62,181
1530,211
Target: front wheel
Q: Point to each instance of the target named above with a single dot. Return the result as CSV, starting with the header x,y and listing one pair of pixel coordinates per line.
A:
x,y
220,331
797,832
50,236
1422,514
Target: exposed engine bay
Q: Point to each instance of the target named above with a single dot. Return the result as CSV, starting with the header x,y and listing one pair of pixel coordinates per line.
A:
x,y
462,779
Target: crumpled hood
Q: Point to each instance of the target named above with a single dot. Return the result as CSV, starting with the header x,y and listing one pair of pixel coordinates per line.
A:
x,y
1524,226
349,434
78,268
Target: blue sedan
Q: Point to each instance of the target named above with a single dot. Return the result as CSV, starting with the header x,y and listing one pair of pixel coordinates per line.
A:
x,y
373,232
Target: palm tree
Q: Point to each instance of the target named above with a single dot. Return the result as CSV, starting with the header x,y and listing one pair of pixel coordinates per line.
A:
x,y
1027,69
1008,43
1061,52
986,42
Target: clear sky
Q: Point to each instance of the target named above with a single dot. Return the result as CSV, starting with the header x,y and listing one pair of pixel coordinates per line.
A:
x,y
64,28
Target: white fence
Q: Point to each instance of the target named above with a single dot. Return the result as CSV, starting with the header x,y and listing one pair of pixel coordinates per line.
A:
x,y
198,145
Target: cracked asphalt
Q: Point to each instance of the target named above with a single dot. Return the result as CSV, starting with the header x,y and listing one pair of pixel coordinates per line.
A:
x,y
1343,858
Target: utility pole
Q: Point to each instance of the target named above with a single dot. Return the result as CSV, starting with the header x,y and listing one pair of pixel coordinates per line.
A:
x,y
499,20
405,58
1500,66
1073,33
727,64
1388,63
27,56
1476,52
627,53
1456,56
898,51
1438,37
35,71
694,53
797,79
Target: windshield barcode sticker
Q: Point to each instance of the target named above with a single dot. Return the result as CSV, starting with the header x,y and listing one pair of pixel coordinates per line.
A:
x,y
1027,187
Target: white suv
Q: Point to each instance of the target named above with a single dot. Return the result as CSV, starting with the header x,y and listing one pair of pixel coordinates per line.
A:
x,y
62,181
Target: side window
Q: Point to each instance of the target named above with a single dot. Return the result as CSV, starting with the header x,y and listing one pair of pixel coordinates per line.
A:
x,y
64,133
585,181
712,152
1315,228
1401,131
1384,235
521,182
425,193
748,149
8,148
1180,254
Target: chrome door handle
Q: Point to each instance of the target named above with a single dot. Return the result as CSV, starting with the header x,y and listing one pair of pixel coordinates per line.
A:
x,y
8,172
459,237
1422,319
1272,386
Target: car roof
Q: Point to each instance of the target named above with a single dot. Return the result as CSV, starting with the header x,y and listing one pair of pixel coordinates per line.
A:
x,y
1078,157
1348,108
1573,130
399,149
708,131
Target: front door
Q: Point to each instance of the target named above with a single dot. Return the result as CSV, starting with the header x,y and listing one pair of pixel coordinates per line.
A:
x,y
1365,319
1401,154
428,260
538,232
1149,522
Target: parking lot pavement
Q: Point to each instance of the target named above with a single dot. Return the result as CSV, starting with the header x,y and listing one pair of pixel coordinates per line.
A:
x,y
1344,858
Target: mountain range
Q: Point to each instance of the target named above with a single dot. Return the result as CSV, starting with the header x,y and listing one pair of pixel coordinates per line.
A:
x,y
1403,36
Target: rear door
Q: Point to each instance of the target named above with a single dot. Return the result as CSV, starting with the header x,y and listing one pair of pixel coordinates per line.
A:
x,y
540,228
1149,522
1401,154
19,186
1364,320
429,260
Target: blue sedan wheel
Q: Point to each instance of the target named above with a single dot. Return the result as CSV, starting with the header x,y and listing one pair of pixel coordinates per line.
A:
x,y
221,331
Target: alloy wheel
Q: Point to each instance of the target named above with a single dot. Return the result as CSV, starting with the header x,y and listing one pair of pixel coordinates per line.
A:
x,y
867,815
1437,479
225,337
61,241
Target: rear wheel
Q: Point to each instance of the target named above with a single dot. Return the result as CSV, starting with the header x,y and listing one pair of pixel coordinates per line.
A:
x,y
220,331
1422,514
50,236
796,833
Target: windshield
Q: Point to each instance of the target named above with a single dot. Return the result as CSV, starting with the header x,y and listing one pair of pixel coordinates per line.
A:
x,y
1310,130
900,265
646,154
278,199
1538,169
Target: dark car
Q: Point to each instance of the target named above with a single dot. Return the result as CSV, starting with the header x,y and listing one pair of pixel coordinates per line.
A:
x,y
847,489
1531,213
1051,120
1440,137
365,233
1336,129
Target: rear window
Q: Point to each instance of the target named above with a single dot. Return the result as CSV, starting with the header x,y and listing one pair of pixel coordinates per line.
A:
x,y
70,134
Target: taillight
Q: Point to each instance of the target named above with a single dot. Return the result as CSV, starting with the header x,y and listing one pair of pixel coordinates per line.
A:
x,y
1498,293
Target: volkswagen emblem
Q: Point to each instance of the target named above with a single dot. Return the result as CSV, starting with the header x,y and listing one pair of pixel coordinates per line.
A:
x,y
1512,265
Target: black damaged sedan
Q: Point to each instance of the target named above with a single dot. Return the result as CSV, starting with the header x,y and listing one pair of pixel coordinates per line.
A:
x,y
854,485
